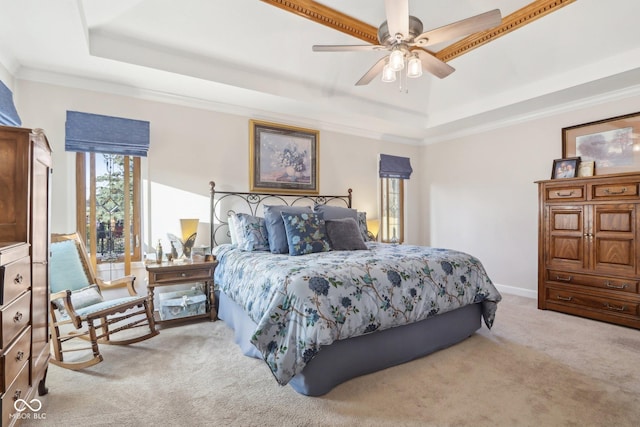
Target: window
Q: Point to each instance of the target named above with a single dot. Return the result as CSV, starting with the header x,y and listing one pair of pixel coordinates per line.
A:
x,y
108,206
393,171
392,210
108,198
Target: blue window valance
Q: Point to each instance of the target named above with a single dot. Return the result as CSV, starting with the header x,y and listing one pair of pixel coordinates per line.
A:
x,y
8,113
395,167
87,132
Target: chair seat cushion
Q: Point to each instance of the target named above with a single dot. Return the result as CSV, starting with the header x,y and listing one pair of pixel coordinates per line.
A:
x,y
124,302
80,298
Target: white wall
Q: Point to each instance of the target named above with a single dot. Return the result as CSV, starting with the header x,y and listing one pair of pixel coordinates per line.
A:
x,y
474,193
481,193
189,148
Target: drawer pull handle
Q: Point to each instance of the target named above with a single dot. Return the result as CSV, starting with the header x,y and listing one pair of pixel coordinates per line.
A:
x,y
561,298
624,190
569,194
183,274
18,317
564,279
609,285
19,356
616,308
18,280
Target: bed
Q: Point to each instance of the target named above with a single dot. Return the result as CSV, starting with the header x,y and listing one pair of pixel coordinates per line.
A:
x,y
325,316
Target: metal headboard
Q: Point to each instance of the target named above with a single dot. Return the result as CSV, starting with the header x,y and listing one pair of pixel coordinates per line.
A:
x,y
224,203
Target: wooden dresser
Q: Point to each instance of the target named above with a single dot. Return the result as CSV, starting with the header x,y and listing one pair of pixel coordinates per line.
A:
x,y
589,247
24,268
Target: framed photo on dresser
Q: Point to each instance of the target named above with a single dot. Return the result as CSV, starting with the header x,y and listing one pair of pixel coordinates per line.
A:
x,y
587,168
565,168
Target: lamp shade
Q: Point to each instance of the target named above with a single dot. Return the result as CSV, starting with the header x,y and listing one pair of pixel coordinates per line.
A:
x,y
388,75
188,228
373,226
396,60
414,67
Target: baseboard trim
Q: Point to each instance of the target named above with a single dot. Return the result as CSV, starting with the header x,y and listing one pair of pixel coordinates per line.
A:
x,y
528,293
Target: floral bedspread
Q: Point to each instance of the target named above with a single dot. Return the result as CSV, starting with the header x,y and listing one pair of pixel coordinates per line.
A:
x,y
301,303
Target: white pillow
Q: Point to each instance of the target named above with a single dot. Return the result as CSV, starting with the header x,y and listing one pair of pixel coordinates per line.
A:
x,y
235,229
80,298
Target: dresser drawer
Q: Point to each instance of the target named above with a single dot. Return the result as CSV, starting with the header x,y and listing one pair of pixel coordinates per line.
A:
x,y
184,275
12,251
16,356
15,278
614,191
602,304
564,193
14,317
17,390
621,285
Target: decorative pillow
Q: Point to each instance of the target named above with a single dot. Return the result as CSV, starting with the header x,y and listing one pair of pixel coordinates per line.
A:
x,y
80,298
233,223
362,225
254,233
305,233
276,233
335,212
344,235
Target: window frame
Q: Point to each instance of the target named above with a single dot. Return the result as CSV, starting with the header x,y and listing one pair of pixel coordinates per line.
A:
x,y
130,254
386,225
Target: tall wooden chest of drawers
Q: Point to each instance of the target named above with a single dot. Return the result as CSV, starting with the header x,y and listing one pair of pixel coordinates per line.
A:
x,y
589,251
24,257
15,328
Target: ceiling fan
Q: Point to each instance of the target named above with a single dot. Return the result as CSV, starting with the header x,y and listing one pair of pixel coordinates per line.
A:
x,y
402,35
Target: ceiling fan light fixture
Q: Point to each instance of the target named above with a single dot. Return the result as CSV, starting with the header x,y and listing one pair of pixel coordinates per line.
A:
x,y
396,60
414,67
388,75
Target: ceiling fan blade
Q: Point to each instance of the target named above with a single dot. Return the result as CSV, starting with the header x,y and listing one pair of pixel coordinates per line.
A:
x,y
397,16
461,28
433,65
373,72
345,48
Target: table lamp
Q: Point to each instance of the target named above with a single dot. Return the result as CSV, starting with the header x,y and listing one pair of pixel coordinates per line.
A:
x,y
373,226
189,229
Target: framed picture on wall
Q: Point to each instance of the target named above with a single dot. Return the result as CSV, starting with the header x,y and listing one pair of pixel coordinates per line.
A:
x,y
565,168
283,159
613,144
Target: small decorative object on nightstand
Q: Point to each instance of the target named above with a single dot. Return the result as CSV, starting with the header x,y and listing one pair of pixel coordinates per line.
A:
x,y
182,273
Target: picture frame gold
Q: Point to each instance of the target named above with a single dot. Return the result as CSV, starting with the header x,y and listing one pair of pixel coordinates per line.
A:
x,y
587,168
283,158
613,143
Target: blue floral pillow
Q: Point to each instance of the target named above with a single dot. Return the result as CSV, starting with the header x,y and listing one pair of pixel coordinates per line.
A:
x,y
254,233
306,233
275,227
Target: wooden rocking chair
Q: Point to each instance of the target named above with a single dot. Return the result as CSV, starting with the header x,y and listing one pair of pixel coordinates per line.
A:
x,y
77,305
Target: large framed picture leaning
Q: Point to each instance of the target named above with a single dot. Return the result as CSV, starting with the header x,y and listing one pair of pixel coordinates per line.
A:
x,y
612,144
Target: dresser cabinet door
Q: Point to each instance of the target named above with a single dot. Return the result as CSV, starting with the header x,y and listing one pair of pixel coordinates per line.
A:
x,y
614,239
566,243
14,176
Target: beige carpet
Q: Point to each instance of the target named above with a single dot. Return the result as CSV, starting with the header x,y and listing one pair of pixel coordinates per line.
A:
x,y
535,368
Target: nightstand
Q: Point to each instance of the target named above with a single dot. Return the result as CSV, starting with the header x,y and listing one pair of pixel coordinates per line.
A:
x,y
175,273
